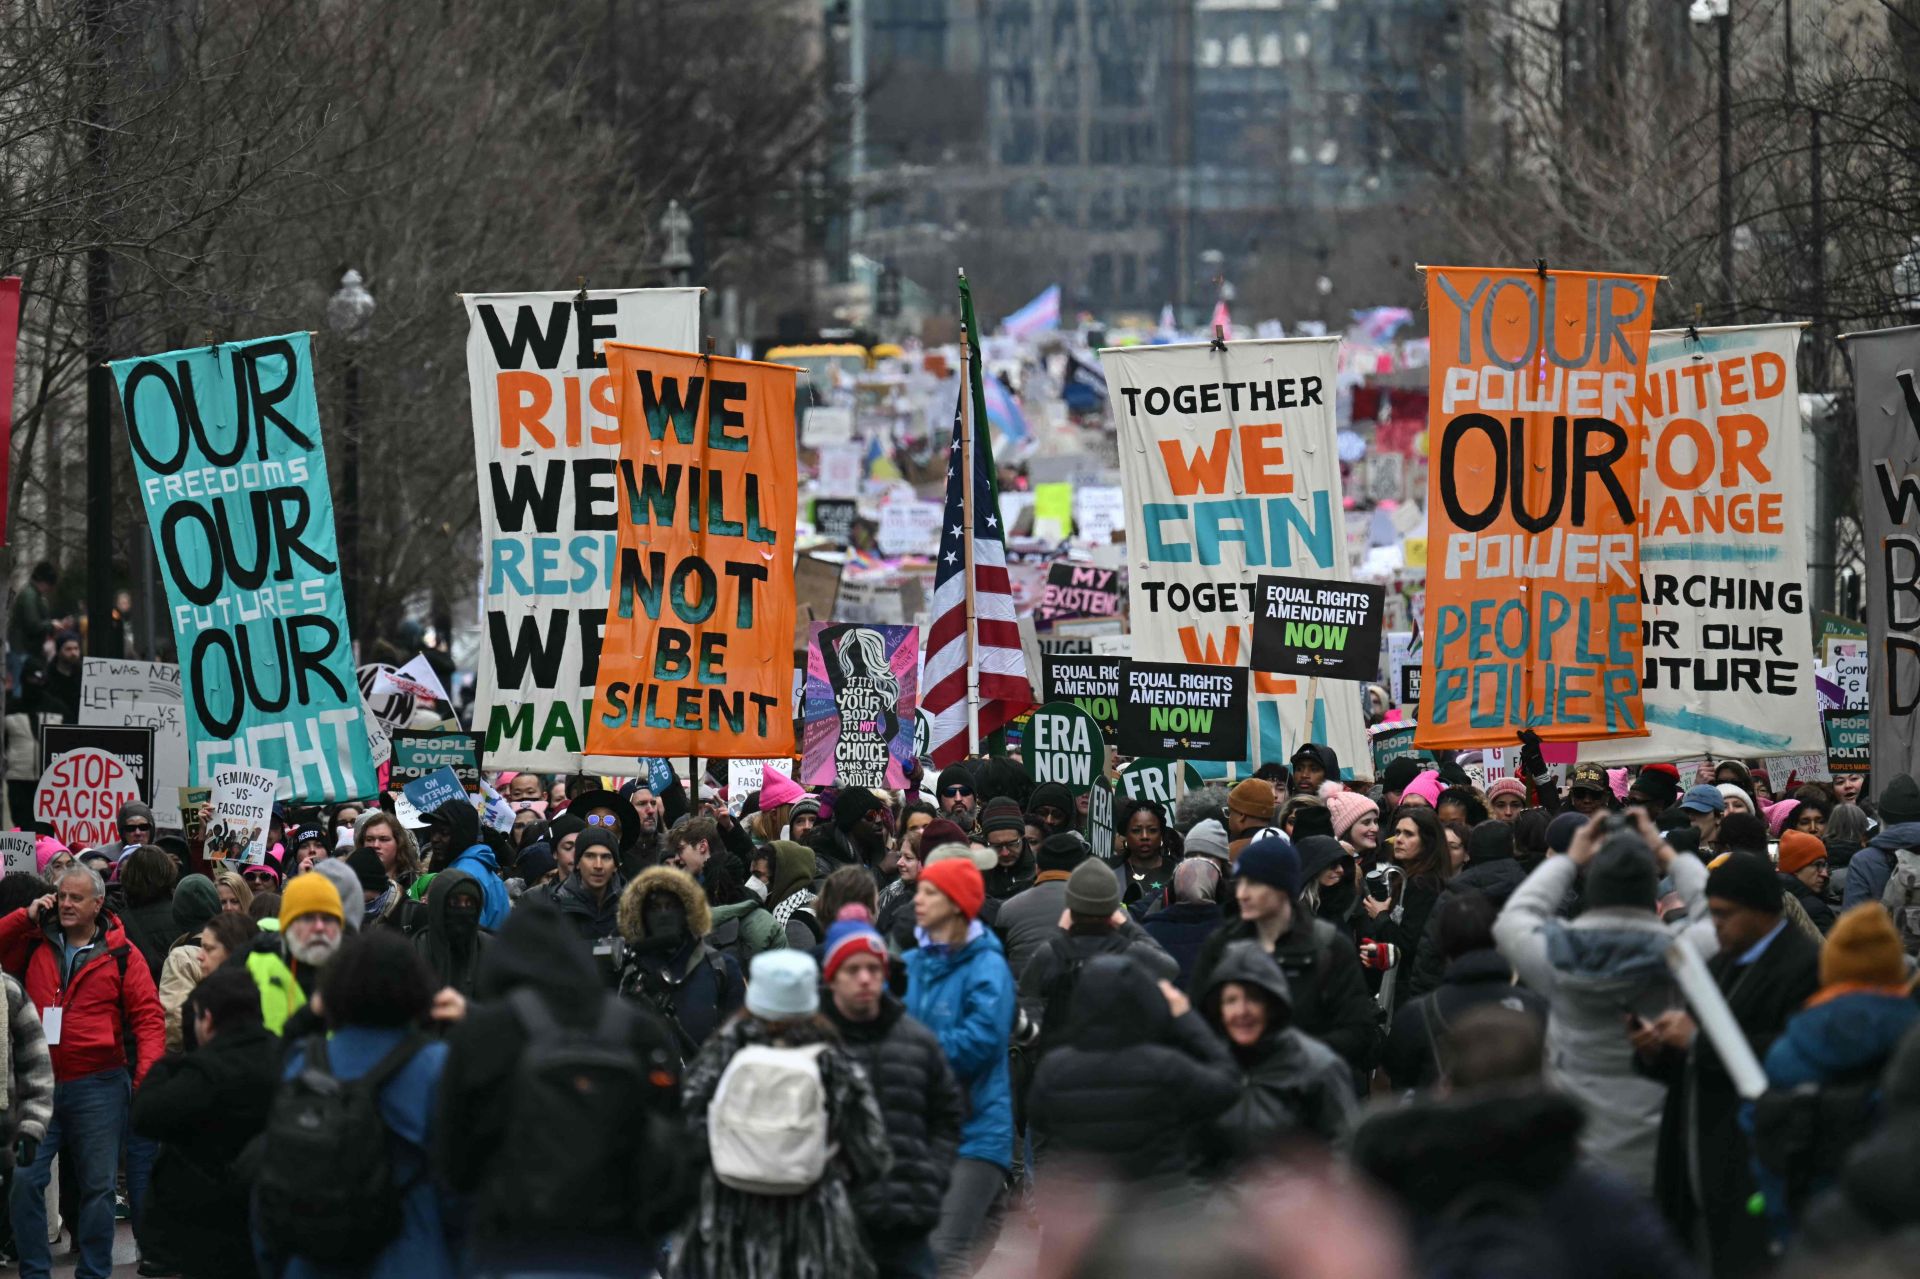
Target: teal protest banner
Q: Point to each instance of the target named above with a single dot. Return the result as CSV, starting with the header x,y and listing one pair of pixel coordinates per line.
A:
x,y
226,447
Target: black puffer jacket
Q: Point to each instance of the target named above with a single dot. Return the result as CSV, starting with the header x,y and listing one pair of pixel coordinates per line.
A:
x,y
1130,1084
1474,980
921,1104
204,1107
1292,1087
1497,878
1330,999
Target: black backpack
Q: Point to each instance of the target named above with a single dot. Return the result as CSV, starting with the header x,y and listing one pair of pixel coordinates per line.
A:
x,y
324,1181
1059,993
582,1149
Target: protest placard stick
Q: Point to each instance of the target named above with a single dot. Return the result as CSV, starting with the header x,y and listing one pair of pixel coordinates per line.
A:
x,y
1716,1020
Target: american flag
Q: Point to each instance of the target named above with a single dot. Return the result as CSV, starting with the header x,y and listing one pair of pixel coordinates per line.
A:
x,y
1004,691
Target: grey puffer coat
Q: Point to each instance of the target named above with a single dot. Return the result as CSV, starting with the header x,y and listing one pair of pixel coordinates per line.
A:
x,y
1594,970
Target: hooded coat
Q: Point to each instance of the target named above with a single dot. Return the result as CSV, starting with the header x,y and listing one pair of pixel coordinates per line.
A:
x,y
921,1105
1326,757
795,869
812,1235
477,859
537,951
1869,869
1290,1083
745,929
1128,1084
964,995
1510,1161
1593,970
692,986
839,843
1329,991
454,960
1065,950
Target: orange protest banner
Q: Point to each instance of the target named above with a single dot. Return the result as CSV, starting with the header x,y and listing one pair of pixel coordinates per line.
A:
x,y
1533,554
697,657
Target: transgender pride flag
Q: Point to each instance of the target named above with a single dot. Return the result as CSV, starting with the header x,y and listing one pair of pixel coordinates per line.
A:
x,y
1042,315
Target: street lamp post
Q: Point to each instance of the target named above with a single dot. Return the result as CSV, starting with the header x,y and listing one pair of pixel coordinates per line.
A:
x,y
1719,12
350,317
677,260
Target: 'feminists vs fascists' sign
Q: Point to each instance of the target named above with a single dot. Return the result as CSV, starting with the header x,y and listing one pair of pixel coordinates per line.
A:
x,y
226,448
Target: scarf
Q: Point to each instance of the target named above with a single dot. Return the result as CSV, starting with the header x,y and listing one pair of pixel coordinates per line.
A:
x,y
784,911
379,905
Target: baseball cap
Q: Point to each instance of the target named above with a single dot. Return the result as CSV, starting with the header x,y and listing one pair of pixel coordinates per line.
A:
x,y
1589,777
1704,799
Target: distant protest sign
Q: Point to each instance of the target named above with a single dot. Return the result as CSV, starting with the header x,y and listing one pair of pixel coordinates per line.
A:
x,y
17,852
547,445
1324,630
1194,711
1231,469
1080,590
1533,586
1849,742
417,754
80,794
745,777
1723,551
858,718
697,657
833,518
1091,683
132,744
910,527
242,815
1887,401
441,786
1848,658
117,692
230,466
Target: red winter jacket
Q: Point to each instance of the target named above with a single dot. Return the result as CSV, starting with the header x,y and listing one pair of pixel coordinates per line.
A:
x,y
112,991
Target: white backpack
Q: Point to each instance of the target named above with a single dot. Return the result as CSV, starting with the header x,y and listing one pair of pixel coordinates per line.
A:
x,y
767,1124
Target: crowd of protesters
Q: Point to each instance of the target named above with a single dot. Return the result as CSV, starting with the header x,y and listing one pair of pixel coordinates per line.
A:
x,y
580,1027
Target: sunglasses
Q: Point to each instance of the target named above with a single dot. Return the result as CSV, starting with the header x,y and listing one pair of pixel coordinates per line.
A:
x,y
130,827
954,792
602,819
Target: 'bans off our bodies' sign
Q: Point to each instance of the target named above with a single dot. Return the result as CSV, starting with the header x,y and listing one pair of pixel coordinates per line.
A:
x,y
546,434
1533,576
226,445
697,656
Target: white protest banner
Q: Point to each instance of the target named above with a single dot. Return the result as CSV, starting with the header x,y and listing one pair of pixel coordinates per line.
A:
x,y
16,852
1230,470
1099,511
547,443
416,679
242,813
1728,653
826,424
840,470
1848,658
745,775
80,794
910,527
143,694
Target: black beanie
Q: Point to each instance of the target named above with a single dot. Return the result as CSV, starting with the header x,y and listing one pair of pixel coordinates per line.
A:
x,y
1489,842
1900,801
851,805
596,837
1062,852
954,775
1052,795
1400,772
1623,876
366,867
1746,880
1310,820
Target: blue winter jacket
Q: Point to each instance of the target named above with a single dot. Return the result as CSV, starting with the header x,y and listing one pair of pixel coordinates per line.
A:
x,y
1871,867
965,996
480,863
1844,1036
423,1249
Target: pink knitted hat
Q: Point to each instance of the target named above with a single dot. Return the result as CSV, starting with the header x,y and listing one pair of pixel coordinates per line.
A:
x,y
1346,806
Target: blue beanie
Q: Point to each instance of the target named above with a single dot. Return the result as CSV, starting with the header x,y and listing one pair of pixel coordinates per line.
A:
x,y
1562,829
1271,860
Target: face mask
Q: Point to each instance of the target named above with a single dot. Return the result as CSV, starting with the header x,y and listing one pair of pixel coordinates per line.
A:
x,y
463,917
757,888
665,922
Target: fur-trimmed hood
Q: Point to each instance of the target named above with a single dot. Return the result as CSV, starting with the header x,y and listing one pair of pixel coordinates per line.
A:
x,y
663,879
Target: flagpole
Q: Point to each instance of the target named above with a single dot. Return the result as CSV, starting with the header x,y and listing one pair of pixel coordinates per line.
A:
x,y
966,540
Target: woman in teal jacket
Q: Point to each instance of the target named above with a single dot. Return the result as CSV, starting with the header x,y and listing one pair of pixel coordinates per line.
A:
x,y
959,987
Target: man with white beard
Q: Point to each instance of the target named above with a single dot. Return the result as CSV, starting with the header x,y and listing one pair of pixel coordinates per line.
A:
x,y
311,926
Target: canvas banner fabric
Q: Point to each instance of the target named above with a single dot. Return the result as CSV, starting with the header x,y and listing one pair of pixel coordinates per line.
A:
x,y
1887,401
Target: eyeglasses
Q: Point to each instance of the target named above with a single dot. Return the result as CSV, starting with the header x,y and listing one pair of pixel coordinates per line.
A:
x,y
131,827
1005,845
602,819
955,792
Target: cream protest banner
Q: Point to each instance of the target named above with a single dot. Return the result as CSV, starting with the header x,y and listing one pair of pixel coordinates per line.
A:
x,y
546,436
1729,659
1230,469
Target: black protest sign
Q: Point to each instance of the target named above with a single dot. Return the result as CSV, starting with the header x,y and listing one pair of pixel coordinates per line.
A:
x,y
1320,629
1409,690
1172,709
132,745
833,518
1849,742
1091,683
1080,590
1100,817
